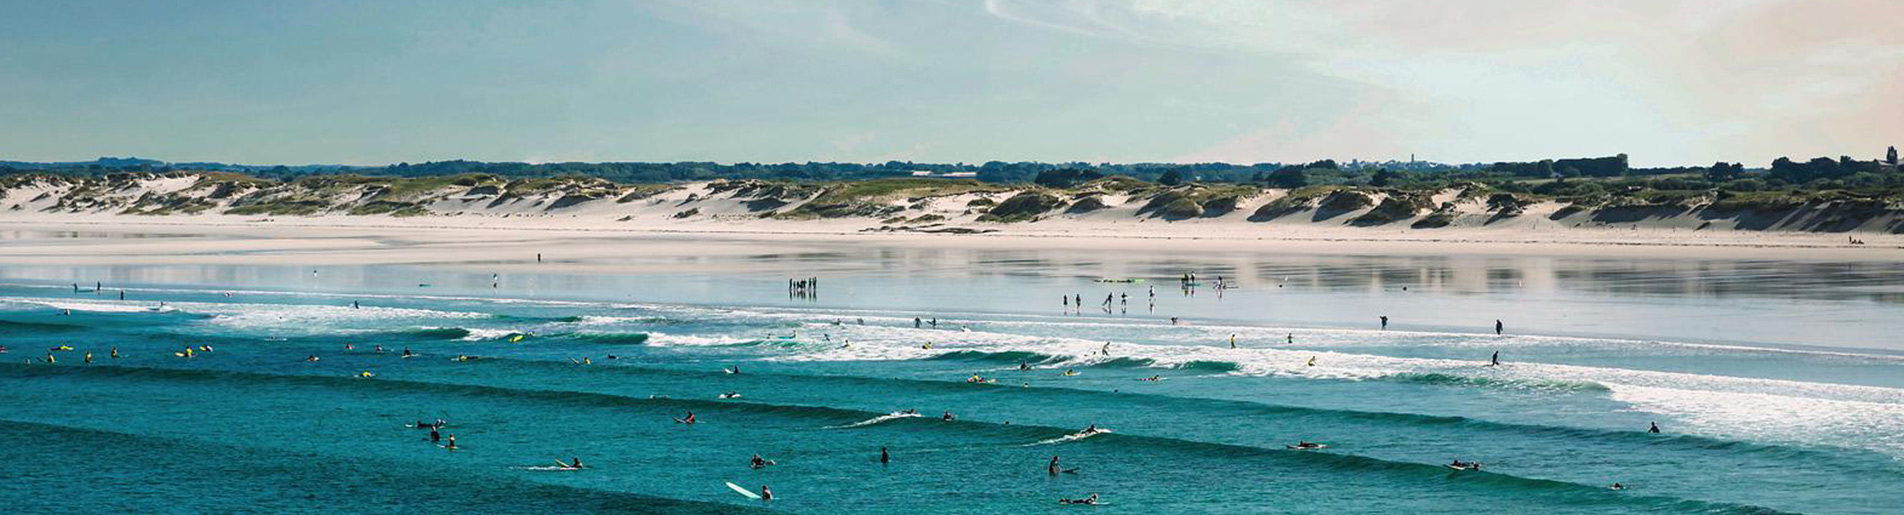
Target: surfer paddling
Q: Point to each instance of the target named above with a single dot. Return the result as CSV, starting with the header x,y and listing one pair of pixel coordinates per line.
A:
x,y
1087,500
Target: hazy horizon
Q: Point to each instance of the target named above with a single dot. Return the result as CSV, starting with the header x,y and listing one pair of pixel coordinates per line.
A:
x,y
1670,83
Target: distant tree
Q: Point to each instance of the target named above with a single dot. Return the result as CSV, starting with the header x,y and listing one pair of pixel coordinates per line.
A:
x,y
1381,178
1288,177
1065,178
1721,171
1170,177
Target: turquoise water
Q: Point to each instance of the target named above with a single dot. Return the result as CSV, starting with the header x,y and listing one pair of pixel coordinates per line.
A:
x,y
1776,385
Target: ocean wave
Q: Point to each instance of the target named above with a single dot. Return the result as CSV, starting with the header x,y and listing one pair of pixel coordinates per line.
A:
x,y
611,338
875,420
38,327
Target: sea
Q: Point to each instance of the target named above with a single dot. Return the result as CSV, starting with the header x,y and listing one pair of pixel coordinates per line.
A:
x,y
1776,386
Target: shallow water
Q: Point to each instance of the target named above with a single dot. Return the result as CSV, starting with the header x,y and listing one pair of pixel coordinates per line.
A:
x,y
1776,384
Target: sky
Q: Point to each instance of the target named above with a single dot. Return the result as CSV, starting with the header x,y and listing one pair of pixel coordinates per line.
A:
x,y
1669,82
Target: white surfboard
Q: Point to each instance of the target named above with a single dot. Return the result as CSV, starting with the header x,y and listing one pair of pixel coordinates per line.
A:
x,y
743,491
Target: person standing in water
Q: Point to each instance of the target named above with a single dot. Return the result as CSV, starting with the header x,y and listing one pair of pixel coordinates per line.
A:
x,y
916,322
1384,322
884,458
765,494
1496,360
1654,429
1498,327
1232,340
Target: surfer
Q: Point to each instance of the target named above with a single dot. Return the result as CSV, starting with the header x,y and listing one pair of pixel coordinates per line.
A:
x,y
451,445
1307,445
757,462
380,349
1654,429
1496,360
948,417
1024,367
435,436
308,359
1312,361
1087,500
1107,348
115,351
89,358
354,305
575,463
689,420
765,494
407,353
1617,486
1173,320
732,370
1154,378
1053,468
884,458
1232,340
1384,322
916,322
730,395
1498,327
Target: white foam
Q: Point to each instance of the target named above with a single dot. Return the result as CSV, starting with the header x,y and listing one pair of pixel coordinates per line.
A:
x,y
875,420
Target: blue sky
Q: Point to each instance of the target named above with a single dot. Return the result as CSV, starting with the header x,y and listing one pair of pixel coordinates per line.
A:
x,y
1667,81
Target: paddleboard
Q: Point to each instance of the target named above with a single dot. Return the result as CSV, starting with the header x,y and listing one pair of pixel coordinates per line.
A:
x,y
742,491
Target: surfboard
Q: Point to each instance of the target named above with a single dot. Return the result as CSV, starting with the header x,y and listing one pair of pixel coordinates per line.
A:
x,y
1073,470
742,491
1301,448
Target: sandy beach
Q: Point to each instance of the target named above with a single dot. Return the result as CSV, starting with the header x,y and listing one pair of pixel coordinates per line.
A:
x,y
585,245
